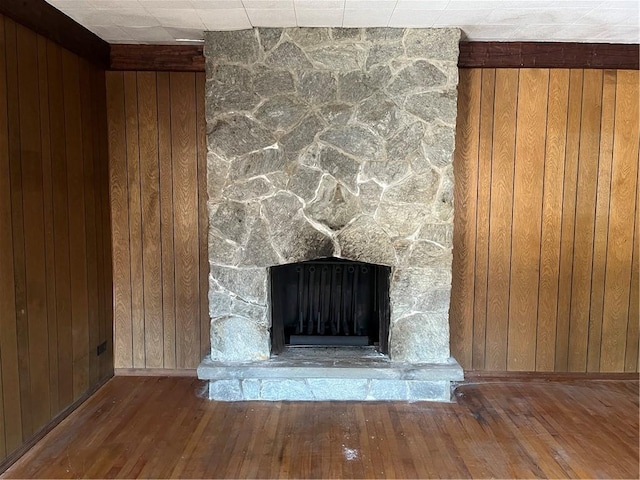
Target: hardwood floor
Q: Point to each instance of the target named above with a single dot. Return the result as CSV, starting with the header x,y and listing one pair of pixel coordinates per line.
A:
x,y
160,427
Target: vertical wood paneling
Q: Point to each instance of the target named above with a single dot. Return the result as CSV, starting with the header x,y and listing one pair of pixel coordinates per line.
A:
x,y
562,206
624,177
49,274
526,228
483,196
464,224
185,218
551,219
158,175
150,193
500,218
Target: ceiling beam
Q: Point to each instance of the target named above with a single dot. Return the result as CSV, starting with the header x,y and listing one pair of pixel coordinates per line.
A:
x,y
190,58
51,23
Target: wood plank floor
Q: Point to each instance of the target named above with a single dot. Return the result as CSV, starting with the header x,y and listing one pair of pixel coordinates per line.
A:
x,y
155,427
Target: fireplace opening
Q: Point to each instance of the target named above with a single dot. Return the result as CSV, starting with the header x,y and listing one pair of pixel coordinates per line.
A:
x,y
330,301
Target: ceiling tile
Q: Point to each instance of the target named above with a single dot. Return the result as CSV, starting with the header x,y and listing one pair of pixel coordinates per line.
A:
x,y
268,4
148,34
548,16
319,4
414,18
272,17
422,4
378,17
234,19
462,17
319,18
487,33
183,18
215,4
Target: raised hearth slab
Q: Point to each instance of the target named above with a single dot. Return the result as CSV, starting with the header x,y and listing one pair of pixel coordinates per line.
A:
x,y
330,373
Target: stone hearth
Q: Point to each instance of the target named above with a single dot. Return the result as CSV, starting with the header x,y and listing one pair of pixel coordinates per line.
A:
x,y
330,143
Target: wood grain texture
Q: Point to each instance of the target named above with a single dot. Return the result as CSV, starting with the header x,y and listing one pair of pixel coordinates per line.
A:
x,y
49,274
158,176
561,269
508,429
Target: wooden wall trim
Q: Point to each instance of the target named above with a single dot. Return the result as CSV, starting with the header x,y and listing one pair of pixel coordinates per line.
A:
x,y
164,58
548,55
51,23
190,58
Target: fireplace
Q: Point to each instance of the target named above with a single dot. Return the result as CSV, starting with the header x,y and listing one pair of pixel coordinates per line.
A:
x,y
331,301
330,145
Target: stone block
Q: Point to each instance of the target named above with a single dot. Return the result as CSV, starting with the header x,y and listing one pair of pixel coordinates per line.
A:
x,y
237,135
288,56
341,167
238,46
436,391
338,388
284,389
273,82
317,87
251,388
281,112
435,43
420,338
239,339
430,106
269,37
339,58
249,284
334,205
388,390
356,141
365,241
225,390
419,76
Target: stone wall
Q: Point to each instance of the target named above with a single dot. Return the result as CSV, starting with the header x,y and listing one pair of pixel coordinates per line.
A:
x,y
331,142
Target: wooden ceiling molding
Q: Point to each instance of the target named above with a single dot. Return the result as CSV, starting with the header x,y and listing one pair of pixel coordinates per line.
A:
x,y
51,23
190,58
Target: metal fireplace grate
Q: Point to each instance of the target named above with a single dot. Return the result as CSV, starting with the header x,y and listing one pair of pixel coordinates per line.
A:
x,y
330,302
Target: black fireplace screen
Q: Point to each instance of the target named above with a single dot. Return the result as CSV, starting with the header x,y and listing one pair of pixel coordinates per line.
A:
x,y
329,302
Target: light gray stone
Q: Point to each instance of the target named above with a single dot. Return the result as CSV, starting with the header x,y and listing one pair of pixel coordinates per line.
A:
x,y
346,33
250,388
441,233
388,389
383,34
401,219
337,113
222,251
425,254
436,43
296,239
239,46
370,193
438,391
269,37
438,145
287,56
281,112
356,141
339,166
338,389
308,36
419,189
383,54
434,300
406,140
386,173
261,162
340,58
232,220
431,106
302,135
248,190
380,113
365,241
273,82
248,310
238,339
237,135
419,76
282,389
218,169
443,206
230,88
304,182
356,86
317,87
225,390
249,284
219,303
259,251
420,337
333,206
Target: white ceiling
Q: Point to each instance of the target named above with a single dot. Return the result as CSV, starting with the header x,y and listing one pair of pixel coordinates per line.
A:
x,y
172,21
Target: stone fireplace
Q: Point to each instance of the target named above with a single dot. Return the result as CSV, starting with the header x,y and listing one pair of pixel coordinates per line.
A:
x,y
330,142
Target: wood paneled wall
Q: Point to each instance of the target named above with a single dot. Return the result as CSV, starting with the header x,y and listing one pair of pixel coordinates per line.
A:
x,y
546,232
158,202
546,193
55,239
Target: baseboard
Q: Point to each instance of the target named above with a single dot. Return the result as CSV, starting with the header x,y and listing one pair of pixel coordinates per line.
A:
x,y
40,434
473,376
155,372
